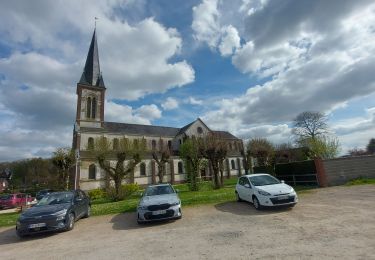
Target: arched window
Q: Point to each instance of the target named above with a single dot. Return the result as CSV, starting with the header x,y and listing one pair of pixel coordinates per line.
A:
x,y
153,144
135,143
180,168
93,107
180,141
142,169
90,143
115,144
92,172
233,164
88,107
170,145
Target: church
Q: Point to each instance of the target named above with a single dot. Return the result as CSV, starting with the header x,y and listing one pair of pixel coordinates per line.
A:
x,y
90,124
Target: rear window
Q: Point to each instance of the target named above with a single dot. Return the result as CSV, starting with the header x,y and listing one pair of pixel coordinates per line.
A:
x,y
5,197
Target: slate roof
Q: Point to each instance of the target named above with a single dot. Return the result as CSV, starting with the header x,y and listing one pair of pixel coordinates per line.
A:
x,y
148,130
225,135
91,72
136,129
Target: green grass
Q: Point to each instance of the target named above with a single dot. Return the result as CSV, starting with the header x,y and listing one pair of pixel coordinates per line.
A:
x,y
8,219
206,195
360,181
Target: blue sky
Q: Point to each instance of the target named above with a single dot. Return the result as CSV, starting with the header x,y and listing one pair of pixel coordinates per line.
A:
x,y
245,66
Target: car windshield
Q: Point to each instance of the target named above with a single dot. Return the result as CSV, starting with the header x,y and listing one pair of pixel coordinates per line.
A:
x,y
158,190
263,180
56,198
5,197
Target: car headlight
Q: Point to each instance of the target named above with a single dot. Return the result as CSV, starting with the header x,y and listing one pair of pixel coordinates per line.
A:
x,y
176,203
264,193
142,207
60,212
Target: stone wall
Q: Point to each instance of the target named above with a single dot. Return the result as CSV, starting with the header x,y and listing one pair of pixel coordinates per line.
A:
x,y
341,170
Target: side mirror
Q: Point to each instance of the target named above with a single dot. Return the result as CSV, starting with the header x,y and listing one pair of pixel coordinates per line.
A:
x,y
282,181
247,186
78,199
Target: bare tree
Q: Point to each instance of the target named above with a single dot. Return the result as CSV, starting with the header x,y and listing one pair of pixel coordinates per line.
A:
x,y
127,150
64,159
262,150
310,124
190,152
357,152
161,158
215,150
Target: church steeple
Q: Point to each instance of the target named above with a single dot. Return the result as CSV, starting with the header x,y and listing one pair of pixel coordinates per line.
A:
x,y
91,73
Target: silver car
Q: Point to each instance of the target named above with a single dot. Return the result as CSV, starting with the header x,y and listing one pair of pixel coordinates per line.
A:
x,y
159,202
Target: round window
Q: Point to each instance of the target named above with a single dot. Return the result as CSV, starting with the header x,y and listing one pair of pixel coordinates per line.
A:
x,y
199,130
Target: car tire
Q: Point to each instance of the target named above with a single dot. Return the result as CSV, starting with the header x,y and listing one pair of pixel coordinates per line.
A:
x,y
238,197
69,222
19,234
88,212
256,203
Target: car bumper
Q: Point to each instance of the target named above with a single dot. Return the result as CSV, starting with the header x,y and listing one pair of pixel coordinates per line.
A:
x,y
275,201
47,225
173,212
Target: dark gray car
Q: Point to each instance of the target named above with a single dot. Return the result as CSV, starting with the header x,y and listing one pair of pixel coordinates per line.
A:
x,y
55,211
159,202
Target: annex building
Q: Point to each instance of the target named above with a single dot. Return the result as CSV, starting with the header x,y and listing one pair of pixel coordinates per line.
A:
x,y
90,124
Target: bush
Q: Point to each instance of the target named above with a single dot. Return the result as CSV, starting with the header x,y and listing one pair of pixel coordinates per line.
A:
x,y
96,194
126,191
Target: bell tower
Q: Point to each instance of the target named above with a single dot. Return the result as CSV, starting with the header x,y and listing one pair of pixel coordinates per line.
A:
x,y
91,91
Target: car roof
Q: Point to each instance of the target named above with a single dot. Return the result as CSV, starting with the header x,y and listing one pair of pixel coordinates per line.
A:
x,y
159,185
256,174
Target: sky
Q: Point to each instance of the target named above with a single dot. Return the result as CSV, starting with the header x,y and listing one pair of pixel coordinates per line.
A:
x,y
245,66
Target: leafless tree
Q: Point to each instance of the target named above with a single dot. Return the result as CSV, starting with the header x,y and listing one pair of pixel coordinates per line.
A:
x,y
310,124
161,158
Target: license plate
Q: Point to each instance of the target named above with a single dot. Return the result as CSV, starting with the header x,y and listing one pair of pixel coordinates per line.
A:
x,y
159,212
283,197
37,225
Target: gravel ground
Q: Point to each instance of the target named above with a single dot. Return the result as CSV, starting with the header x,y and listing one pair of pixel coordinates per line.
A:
x,y
329,223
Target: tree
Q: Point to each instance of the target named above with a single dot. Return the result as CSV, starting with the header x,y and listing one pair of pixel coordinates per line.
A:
x,y
310,124
215,150
262,150
357,152
246,158
127,150
161,158
190,152
371,146
322,147
64,159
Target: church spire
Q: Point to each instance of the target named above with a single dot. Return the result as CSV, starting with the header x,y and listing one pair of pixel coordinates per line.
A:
x,y
91,73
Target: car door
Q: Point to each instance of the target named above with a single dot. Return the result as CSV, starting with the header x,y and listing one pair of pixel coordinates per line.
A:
x,y
79,204
241,189
248,189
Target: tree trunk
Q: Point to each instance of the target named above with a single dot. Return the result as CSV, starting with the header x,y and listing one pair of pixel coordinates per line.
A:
x,y
117,188
161,172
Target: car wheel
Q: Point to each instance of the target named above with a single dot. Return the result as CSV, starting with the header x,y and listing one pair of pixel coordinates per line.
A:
x,y
70,222
238,197
88,212
19,234
256,203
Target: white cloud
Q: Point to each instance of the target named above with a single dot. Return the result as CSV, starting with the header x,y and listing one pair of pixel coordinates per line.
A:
x,y
194,101
230,40
150,112
170,104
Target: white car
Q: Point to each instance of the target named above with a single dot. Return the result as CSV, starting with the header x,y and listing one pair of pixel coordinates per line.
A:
x,y
264,190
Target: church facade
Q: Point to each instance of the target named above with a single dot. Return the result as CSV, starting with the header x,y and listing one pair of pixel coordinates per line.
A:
x,y
90,124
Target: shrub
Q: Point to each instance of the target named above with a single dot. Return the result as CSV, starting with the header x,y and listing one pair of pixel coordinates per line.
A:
x,y
126,191
96,194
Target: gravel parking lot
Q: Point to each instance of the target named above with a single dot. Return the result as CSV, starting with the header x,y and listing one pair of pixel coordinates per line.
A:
x,y
330,223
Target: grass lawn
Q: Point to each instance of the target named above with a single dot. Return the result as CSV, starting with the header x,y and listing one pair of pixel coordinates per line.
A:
x,y
360,181
205,195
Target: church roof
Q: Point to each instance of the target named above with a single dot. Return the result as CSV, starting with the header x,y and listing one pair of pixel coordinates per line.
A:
x,y
147,130
91,72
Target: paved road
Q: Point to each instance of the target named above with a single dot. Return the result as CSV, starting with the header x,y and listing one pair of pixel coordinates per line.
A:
x,y
330,223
